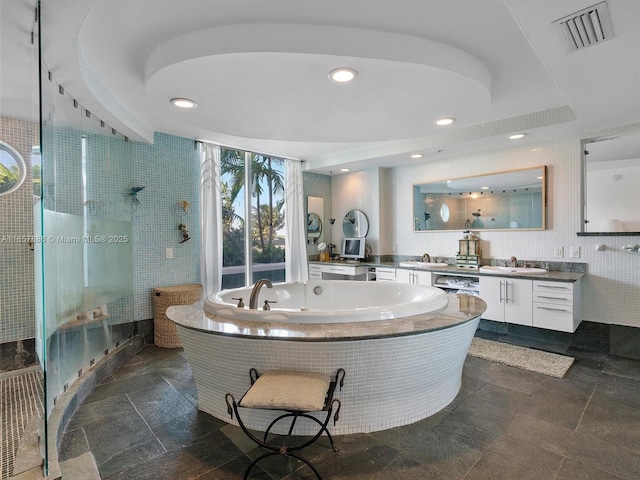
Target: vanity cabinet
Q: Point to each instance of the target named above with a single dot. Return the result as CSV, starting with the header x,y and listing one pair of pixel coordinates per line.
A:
x,y
340,271
414,277
385,274
508,299
556,305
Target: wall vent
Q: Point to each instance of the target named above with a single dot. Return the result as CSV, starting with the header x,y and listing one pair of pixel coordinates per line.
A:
x,y
587,27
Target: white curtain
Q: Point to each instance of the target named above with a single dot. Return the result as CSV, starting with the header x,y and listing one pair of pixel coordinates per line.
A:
x,y
210,219
296,227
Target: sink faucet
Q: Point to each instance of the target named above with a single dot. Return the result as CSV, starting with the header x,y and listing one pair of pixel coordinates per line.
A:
x,y
514,262
426,257
253,299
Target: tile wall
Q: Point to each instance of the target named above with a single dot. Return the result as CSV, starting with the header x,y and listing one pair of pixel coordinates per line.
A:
x,y
170,171
17,310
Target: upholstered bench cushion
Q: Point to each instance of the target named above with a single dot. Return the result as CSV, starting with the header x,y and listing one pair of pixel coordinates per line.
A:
x,y
287,390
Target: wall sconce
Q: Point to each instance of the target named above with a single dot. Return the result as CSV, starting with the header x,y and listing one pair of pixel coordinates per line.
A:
x,y
181,208
134,193
185,234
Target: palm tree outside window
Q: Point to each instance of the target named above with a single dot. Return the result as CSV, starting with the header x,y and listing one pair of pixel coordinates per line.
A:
x,y
253,219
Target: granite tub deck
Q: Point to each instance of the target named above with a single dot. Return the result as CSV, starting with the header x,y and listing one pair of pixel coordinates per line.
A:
x,y
410,366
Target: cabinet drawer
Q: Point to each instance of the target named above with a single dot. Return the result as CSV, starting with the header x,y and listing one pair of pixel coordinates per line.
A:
x,y
344,269
554,317
555,298
552,287
385,274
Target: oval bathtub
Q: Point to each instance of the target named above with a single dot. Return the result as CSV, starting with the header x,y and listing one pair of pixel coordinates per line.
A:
x,y
329,301
398,370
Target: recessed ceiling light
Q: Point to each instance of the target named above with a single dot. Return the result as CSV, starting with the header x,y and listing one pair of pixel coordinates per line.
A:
x,y
443,122
183,103
344,169
417,155
343,74
516,136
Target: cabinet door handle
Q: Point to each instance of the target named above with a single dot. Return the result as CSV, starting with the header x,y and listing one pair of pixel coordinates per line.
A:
x,y
506,292
554,309
553,298
553,286
501,284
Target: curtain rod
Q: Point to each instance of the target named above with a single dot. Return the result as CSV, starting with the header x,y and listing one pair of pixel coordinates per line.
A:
x,y
198,140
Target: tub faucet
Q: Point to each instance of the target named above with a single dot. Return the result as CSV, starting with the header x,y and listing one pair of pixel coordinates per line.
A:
x,y
253,299
426,257
514,262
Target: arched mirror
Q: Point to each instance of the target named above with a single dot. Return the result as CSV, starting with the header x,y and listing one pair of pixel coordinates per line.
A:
x,y
13,170
314,227
355,224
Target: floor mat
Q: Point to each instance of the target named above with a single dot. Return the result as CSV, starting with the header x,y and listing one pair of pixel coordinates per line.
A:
x,y
21,398
525,358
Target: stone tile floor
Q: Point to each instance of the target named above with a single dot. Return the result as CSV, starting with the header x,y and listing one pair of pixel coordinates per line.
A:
x,y
142,423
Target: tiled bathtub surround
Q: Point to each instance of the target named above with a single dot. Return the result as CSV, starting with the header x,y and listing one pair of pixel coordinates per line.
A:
x,y
384,359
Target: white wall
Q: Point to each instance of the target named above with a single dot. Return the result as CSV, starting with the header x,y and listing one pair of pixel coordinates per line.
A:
x,y
612,284
357,191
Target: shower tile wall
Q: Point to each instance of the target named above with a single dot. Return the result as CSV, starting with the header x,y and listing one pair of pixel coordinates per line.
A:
x,y
170,171
16,218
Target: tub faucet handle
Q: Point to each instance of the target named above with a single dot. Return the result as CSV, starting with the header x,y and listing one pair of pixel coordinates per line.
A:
x,y
266,304
240,302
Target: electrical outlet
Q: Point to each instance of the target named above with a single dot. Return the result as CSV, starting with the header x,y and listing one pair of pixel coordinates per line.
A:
x,y
558,252
574,252
168,253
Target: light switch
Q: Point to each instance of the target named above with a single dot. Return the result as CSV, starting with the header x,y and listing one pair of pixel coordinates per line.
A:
x,y
168,252
574,252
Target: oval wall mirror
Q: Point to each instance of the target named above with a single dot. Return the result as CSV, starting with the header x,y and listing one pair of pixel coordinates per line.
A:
x,y
355,224
13,170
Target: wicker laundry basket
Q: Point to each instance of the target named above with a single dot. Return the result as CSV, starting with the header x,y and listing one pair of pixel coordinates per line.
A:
x,y
165,333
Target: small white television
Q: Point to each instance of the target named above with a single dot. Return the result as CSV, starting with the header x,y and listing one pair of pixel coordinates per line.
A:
x,y
353,248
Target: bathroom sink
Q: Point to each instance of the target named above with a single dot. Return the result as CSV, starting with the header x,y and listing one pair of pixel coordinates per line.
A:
x,y
512,270
423,265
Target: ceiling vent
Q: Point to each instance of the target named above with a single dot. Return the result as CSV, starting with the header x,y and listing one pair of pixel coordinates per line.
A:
x,y
587,27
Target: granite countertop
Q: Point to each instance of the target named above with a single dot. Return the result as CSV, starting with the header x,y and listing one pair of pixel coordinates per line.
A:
x,y
460,309
551,275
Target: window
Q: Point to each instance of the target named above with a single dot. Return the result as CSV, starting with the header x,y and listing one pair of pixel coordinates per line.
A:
x,y
252,218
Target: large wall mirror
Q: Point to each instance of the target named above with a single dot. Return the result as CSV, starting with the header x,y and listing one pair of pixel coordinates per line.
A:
x,y
315,219
513,200
610,187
